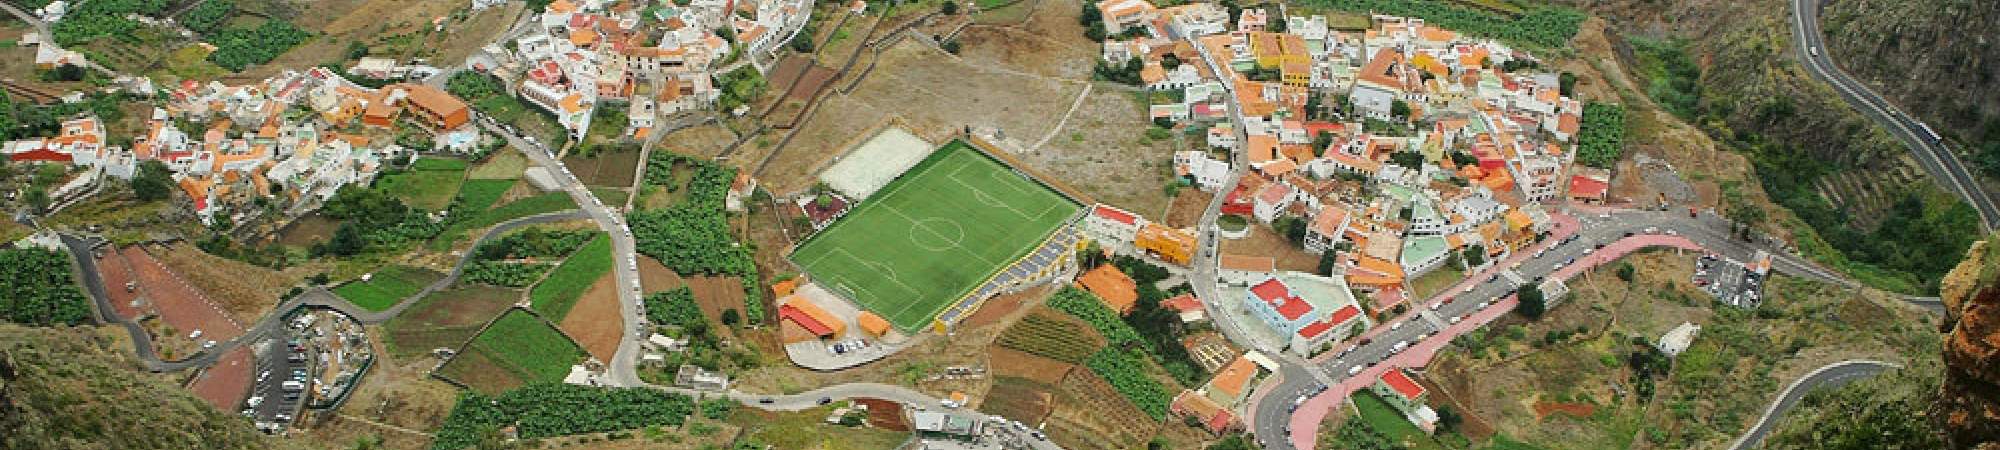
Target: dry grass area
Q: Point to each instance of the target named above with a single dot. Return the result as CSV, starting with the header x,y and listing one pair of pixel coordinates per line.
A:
x,y
1263,241
1185,209
245,290
935,93
1019,399
1012,363
715,295
1722,383
1049,43
1089,414
706,140
1103,150
390,28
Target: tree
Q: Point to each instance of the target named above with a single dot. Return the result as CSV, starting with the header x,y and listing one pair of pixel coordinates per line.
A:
x,y
1293,228
1475,256
1626,271
1532,302
1400,109
347,241
949,8
1409,159
730,317
38,199
1566,82
153,181
1327,260
950,45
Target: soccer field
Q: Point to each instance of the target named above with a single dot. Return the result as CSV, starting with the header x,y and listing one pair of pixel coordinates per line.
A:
x,y
933,235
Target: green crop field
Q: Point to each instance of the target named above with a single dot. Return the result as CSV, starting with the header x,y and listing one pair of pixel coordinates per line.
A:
x,y
388,286
559,291
933,235
523,346
430,183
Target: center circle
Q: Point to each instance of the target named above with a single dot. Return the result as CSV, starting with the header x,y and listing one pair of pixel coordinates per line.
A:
x,y
936,234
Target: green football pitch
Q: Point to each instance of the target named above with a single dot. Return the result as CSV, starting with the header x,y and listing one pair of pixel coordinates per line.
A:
x,y
933,235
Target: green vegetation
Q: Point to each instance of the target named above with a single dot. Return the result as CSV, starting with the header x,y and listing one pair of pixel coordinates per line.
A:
x,y
459,224
1601,139
87,21
1127,375
504,273
372,218
527,347
239,48
1672,79
1049,338
933,235
692,236
71,388
1893,410
430,183
1161,327
554,296
1376,416
36,289
1548,27
153,181
680,317
208,16
739,87
389,285
549,410
1084,305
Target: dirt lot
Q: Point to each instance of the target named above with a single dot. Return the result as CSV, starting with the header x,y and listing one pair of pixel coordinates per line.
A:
x,y
1050,43
656,277
595,320
183,307
1000,310
1185,210
399,392
715,295
446,319
306,231
247,291
226,383
1262,241
608,168
884,414
1007,362
1019,399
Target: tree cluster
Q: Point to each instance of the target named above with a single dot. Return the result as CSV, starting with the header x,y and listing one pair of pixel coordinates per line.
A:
x,y
550,410
36,289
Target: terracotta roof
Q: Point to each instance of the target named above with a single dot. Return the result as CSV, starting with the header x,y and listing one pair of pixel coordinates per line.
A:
x,y
873,324
1344,314
1280,298
1582,186
1112,286
1274,193
1234,379
1182,303
1402,384
810,316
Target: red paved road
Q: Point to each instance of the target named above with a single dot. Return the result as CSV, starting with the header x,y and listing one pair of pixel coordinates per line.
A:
x,y
116,272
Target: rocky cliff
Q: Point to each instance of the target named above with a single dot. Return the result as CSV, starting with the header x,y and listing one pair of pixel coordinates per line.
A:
x,y
1968,404
1939,59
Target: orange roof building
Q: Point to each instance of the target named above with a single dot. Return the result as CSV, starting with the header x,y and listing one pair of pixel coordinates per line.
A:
x,y
1169,244
1117,290
1232,383
873,324
811,317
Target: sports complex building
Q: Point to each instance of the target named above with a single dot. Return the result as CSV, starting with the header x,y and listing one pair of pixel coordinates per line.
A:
x,y
938,229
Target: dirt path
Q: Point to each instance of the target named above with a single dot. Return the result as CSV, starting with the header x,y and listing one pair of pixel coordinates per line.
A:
x,y
1065,117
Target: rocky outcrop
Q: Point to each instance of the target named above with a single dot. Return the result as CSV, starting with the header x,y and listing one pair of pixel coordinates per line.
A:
x,y
1968,405
1939,59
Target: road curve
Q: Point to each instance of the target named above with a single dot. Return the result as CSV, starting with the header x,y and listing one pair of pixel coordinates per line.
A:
x,y
1934,156
1830,375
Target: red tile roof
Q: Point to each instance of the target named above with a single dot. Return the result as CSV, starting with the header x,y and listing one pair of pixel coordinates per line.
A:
x,y
1344,314
1401,383
1116,215
1582,186
1280,298
1182,303
1315,329
787,312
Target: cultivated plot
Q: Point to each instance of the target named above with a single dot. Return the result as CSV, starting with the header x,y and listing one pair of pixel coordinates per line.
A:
x,y
933,235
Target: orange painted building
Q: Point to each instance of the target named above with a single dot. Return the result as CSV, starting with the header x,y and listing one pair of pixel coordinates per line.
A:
x,y
1172,245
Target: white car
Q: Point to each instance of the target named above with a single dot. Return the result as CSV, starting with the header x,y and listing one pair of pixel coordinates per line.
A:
x,y
1354,370
1395,326
1455,319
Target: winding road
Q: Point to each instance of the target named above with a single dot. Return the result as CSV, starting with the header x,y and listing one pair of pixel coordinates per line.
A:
x,y
1831,375
1932,154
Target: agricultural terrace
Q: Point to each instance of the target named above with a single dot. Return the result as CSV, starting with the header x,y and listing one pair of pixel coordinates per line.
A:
x,y
429,183
933,235
550,410
518,348
388,286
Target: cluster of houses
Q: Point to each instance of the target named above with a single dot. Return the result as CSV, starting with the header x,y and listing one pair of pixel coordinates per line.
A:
x,y
1397,146
296,137
653,60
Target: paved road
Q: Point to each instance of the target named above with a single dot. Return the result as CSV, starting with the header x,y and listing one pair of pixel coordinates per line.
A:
x,y
622,368
1934,156
1831,375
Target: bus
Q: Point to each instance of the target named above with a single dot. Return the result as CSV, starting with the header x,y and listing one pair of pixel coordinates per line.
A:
x,y
1928,134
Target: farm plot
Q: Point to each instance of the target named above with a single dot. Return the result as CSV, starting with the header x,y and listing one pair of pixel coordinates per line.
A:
x,y
520,345
595,320
605,168
933,235
1049,336
557,293
446,319
1089,414
429,183
388,286
1019,399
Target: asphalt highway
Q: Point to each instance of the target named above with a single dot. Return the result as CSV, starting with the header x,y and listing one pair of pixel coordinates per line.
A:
x,y
1831,375
1933,155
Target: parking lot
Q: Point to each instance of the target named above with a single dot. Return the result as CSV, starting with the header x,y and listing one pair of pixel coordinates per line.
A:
x,y
315,361
1732,282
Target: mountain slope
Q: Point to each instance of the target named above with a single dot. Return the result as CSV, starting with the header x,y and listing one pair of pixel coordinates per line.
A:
x,y
1939,59
67,388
